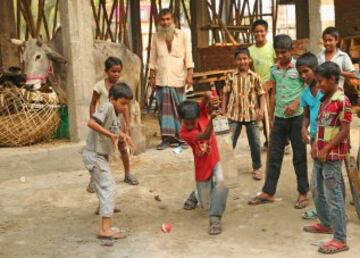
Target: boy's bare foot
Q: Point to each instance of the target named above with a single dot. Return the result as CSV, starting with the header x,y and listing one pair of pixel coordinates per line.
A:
x,y
111,235
301,202
131,180
257,174
215,227
116,210
262,198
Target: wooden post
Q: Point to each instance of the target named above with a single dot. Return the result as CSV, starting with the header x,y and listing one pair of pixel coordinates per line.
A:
x,y
315,28
9,54
302,19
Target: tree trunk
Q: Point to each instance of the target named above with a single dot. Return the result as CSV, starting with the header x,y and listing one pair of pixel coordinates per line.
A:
x,y
9,53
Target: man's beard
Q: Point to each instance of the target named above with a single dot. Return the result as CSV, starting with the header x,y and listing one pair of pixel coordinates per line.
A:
x,y
167,33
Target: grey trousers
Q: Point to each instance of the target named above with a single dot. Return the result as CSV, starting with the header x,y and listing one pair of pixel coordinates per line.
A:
x,y
103,181
212,194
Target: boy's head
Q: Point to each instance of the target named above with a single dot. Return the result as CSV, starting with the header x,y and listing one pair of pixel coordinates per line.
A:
x,y
260,29
242,59
283,48
189,113
330,37
327,75
113,67
306,66
120,95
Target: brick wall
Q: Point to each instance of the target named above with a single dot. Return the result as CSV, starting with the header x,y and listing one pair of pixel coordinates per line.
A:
x,y
347,17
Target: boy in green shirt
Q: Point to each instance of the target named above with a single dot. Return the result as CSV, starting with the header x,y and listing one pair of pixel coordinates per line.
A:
x,y
286,121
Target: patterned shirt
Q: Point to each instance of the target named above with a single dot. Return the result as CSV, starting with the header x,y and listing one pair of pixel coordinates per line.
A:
x,y
244,94
331,115
288,88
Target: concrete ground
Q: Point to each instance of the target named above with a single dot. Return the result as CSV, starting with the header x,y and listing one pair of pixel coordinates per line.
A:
x,y
49,213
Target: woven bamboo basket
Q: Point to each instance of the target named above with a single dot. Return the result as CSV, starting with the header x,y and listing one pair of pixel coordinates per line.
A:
x,y
27,117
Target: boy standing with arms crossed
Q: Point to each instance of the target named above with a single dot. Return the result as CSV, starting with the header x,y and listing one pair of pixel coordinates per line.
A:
x,y
197,131
102,139
286,121
329,150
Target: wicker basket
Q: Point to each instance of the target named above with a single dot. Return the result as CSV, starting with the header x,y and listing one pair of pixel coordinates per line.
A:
x,y
26,118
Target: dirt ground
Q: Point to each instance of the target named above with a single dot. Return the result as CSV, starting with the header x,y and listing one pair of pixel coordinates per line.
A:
x,y
51,215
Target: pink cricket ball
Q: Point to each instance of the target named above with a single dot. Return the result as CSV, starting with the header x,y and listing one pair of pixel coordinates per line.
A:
x,y
166,228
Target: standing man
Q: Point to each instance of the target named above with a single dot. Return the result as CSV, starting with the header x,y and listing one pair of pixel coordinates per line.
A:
x,y
171,68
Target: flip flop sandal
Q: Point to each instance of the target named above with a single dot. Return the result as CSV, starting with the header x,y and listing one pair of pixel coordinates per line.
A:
x,y
318,228
301,204
190,205
310,214
114,236
131,180
163,146
174,144
259,200
184,145
333,246
256,175
215,228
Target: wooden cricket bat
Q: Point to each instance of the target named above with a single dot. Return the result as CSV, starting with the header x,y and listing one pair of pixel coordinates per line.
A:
x,y
354,180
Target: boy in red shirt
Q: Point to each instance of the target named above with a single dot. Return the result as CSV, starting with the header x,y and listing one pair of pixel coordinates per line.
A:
x,y
197,131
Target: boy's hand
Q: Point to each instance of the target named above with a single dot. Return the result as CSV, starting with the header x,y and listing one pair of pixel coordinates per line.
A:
x,y
152,82
290,110
214,102
323,154
129,142
215,113
260,114
114,139
268,85
313,151
305,135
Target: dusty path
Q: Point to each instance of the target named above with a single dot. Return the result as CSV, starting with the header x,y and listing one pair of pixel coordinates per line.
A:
x,y
51,215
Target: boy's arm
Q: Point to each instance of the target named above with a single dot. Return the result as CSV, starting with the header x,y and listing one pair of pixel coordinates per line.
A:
x,y
305,125
293,106
208,131
94,100
93,124
272,105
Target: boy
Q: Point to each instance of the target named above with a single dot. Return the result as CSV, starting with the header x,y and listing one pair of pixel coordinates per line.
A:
x,y
100,142
310,101
329,151
241,103
197,131
263,56
331,53
113,68
286,121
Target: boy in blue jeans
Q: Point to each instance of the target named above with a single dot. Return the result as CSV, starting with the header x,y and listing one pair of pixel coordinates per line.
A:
x,y
329,150
286,121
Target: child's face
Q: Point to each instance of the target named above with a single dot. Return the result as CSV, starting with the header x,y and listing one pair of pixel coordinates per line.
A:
x,y
190,124
307,74
242,61
260,34
120,105
283,55
326,85
114,73
330,42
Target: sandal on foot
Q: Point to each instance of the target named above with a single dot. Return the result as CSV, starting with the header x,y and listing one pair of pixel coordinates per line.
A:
x,y
163,146
131,180
215,227
257,175
301,203
115,236
333,246
310,214
318,228
257,200
190,204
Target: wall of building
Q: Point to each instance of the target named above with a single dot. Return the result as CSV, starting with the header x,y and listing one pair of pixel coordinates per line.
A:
x,y
347,17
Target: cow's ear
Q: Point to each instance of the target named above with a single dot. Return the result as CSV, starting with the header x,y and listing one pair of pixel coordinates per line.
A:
x,y
18,42
55,56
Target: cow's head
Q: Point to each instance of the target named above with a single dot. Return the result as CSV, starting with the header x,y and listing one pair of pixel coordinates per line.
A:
x,y
37,58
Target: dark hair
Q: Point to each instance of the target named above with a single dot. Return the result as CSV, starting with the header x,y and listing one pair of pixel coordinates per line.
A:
x,y
120,90
260,22
332,31
283,41
329,70
164,12
112,61
309,60
241,50
189,110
